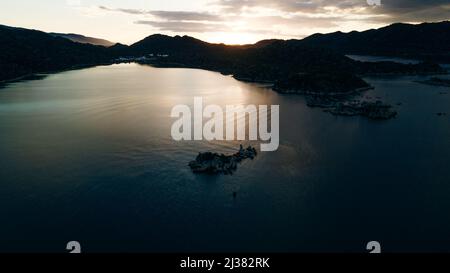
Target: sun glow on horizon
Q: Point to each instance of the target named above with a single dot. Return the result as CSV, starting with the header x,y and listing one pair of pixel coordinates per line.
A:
x,y
228,22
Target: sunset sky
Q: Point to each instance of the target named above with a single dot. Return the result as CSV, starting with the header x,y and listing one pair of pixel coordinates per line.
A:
x,y
223,21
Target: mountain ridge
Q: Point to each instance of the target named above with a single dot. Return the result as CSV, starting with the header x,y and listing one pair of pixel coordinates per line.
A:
x,y
83,39
425,41
25,51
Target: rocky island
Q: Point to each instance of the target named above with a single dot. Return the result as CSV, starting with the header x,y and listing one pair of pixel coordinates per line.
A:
x,y
214,163
321,84
372,110
436,82
346,105
335,92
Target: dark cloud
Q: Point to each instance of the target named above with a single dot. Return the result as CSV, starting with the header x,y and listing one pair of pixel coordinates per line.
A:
x,y
197,27
415,10
185,16
413,4
392,10
290,16
169,15
129,11
237,6
178,26
296,21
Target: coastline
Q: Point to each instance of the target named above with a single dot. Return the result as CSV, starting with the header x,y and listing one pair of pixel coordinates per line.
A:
x,y
435,82
269,84
331,94
49,72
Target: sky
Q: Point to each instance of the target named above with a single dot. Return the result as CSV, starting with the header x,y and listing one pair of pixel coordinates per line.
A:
x,y
217,21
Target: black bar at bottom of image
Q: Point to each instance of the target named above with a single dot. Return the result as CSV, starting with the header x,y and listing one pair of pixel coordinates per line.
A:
x,y
222,262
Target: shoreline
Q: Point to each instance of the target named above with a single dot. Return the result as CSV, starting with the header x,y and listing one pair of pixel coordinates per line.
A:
x,y
242,79
438,82
331,94
49,72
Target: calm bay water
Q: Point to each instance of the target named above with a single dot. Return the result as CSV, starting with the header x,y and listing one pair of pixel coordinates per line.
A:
x,y
87,155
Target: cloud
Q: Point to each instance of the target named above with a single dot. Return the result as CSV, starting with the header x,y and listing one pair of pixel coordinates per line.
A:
x,y
389,12
186,16
128,11
237,6
179,26
177,21
288,18
415,10
169,15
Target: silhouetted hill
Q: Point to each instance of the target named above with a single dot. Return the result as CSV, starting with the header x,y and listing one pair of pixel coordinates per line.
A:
x,y
167,45
24,51
263,43
118,50
266,55
266,61
185,51
427,41
83,39
279,59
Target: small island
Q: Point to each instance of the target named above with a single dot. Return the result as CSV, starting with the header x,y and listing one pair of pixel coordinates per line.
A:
x,y
214,163
372,110
434,81
345,106
335,93
321,84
